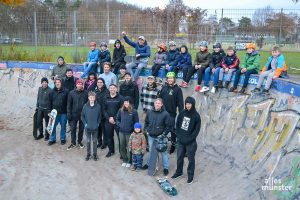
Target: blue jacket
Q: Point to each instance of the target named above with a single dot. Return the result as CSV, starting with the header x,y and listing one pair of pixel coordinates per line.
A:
x,y
172,57
93,56
104,56
280,62
185,59
125,120
144,50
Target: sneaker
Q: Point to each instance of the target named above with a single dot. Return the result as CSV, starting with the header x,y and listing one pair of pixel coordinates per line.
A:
x,y
95,157
99,145
46,137
220,85
103,146
232,89
132,168
127,165
109,154
176,176
51,143
63,142
204,89
80,145
213,90
190,180
256,90
39,137
242,91
267,92
145,167
197,89
123,164
166,172
226,84
71,147
121,158
172,149
87,157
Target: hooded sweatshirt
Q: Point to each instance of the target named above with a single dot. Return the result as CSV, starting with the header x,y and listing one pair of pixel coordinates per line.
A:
x,y
185,59
43,99
119,53
126,120
231,62
101,93
172,57
188,124
111,105
130,89
143,50
91,116
104,56
160,58
76,100
251,61
59,70
69,83
216,58
59,100
202,58
109,78
93,56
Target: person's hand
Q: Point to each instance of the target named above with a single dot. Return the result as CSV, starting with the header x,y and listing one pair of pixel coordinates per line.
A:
x,y
275,77
213,70
226,70
124,33
244,70
111,120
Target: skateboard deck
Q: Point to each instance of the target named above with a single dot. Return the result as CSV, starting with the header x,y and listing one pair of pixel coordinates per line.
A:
x,y
52,118
167,187
34,132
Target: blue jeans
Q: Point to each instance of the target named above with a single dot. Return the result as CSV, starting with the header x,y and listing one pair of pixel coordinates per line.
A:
x,y
207,76
165,158
87,68
62,119
138,66
137,160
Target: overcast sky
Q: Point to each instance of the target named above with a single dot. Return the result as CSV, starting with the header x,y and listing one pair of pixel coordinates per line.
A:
x,y
226,4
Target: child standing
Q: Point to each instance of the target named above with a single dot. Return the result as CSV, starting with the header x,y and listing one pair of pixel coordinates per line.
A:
x,y
159,59
137,146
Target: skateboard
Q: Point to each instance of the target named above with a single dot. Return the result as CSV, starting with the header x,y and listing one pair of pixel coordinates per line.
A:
x,y
152,169
52,118
34,132
167,187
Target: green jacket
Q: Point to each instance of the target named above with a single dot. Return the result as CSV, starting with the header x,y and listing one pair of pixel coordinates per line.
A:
x,y
252,61
59,70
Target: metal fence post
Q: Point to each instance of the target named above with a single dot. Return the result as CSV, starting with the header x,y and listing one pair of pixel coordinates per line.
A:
x,y
280,28
35,35
221,38
75,31
119,21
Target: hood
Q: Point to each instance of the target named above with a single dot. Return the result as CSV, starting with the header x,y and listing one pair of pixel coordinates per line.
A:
x,y
187,50
118,41
55,88
192,101
217,53
254,53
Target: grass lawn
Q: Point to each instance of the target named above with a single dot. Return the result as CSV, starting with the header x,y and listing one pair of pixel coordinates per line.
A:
x,y
50,54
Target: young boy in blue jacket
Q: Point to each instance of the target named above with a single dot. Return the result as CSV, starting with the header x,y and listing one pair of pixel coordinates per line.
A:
x,y
92,60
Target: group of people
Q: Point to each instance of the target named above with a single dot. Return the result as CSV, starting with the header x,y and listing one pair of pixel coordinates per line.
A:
x,y
105,104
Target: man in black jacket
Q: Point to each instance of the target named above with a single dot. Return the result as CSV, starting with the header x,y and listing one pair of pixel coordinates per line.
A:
x,y
111,105
43,107
172,97
59,99
157,123
130,89
118,56
101,91
187,129
69,81
76,100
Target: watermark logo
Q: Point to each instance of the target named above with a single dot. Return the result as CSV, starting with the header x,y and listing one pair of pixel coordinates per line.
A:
x,y
273,184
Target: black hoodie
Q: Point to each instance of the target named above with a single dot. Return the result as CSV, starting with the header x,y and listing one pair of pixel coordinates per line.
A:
x,y
101,93
76,100
111,105
59,100
216,58
119,53
69,83
188,124
131,90
91,116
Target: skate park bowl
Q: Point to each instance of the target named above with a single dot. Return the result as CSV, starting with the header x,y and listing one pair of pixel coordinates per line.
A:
x,y
248,147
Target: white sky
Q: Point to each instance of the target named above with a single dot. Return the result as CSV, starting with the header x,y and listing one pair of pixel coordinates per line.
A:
x,y
226,4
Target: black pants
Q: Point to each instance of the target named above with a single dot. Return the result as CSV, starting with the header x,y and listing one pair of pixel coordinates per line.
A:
x,y
192,71
173,133
117,66
109,134
101,136
42,114
184,72
247,76
155,69
190,150
73,130
91,136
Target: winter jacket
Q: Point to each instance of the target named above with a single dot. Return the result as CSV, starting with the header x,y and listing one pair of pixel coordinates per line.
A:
x,y
143,50
119,53
231,62
59,71
125,120
216,58
109,78
93,56
148,96
160,58
69,83
137,143
59,100
280,63
252,61
172,57
76,101
43,99
202,58
91,116
90,85
104,56
188,125
131,90
157,122
100,94
184,59
121,79
172,98
111,105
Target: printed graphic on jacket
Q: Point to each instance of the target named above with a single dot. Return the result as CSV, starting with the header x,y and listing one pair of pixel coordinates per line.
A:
x,y
185,123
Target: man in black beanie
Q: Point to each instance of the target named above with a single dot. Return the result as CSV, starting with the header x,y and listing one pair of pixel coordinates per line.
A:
x,y
43,107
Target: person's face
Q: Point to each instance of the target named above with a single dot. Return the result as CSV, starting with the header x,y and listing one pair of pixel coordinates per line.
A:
x,y
126,104
79,86
182,50
60,61
275,53
170,81
58,84
250,50
100,84
92,98
118,45
230,52
69,74
216,50
112,89
158,104
92,47
127,78
202,48
137,130
122,71
103,48
44,84
188,106
91,77
106,68
150,81
141,42
172,48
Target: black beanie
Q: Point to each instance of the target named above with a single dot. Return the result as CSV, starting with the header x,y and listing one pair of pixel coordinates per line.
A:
x,y
60,57
127,98
44,79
